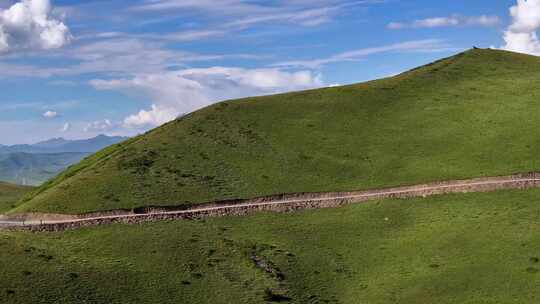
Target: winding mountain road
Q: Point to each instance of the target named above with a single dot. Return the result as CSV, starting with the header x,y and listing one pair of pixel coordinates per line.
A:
x,y
284,203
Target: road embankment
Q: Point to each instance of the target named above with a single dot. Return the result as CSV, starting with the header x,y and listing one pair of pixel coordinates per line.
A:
x,y
275,203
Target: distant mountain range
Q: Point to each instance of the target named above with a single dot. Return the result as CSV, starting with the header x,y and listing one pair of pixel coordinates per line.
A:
x,y
34,164
60,145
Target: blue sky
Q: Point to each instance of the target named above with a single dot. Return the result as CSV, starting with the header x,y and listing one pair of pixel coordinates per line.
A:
x,y
76,69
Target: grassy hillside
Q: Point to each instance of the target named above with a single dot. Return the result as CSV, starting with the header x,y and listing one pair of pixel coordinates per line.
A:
x,y
473,114
474,248
10,194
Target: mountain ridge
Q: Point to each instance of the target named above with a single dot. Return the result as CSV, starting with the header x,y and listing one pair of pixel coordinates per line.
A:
x,y
32,169
61,145
36,163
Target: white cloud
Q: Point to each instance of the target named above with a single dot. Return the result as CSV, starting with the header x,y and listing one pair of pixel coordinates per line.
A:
x,y
122,56
191,35
309,17
151,118
119,54
521,34
229,6
99,126
526,16
10,105
66,127
29,24
179,36
483,21
429,45
50,114
455,20
180,92
116,57
304,13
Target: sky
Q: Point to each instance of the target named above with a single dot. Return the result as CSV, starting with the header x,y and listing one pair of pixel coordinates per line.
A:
x,y
76,69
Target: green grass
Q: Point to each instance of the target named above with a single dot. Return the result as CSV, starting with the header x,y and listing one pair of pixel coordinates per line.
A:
x,y
474,114
473,248
10,194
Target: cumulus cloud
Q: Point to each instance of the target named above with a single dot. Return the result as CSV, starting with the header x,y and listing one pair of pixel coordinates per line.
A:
x,y
29,24
521,34
50,114
455,20
154,117
179,92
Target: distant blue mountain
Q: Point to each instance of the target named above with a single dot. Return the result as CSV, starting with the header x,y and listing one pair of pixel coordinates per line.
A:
x,y
34,164
60,145
34,169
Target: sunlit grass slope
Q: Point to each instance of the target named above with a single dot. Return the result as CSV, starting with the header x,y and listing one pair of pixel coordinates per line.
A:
x,y
473,114
474,248
10,194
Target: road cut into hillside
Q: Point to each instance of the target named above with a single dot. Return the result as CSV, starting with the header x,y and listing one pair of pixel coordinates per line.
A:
x,y
274,203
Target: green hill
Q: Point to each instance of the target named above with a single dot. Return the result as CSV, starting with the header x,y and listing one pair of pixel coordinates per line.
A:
x,y
473,114
10,194
467,248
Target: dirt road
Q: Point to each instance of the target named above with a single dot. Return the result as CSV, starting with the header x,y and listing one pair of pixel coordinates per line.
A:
x,y
285,203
